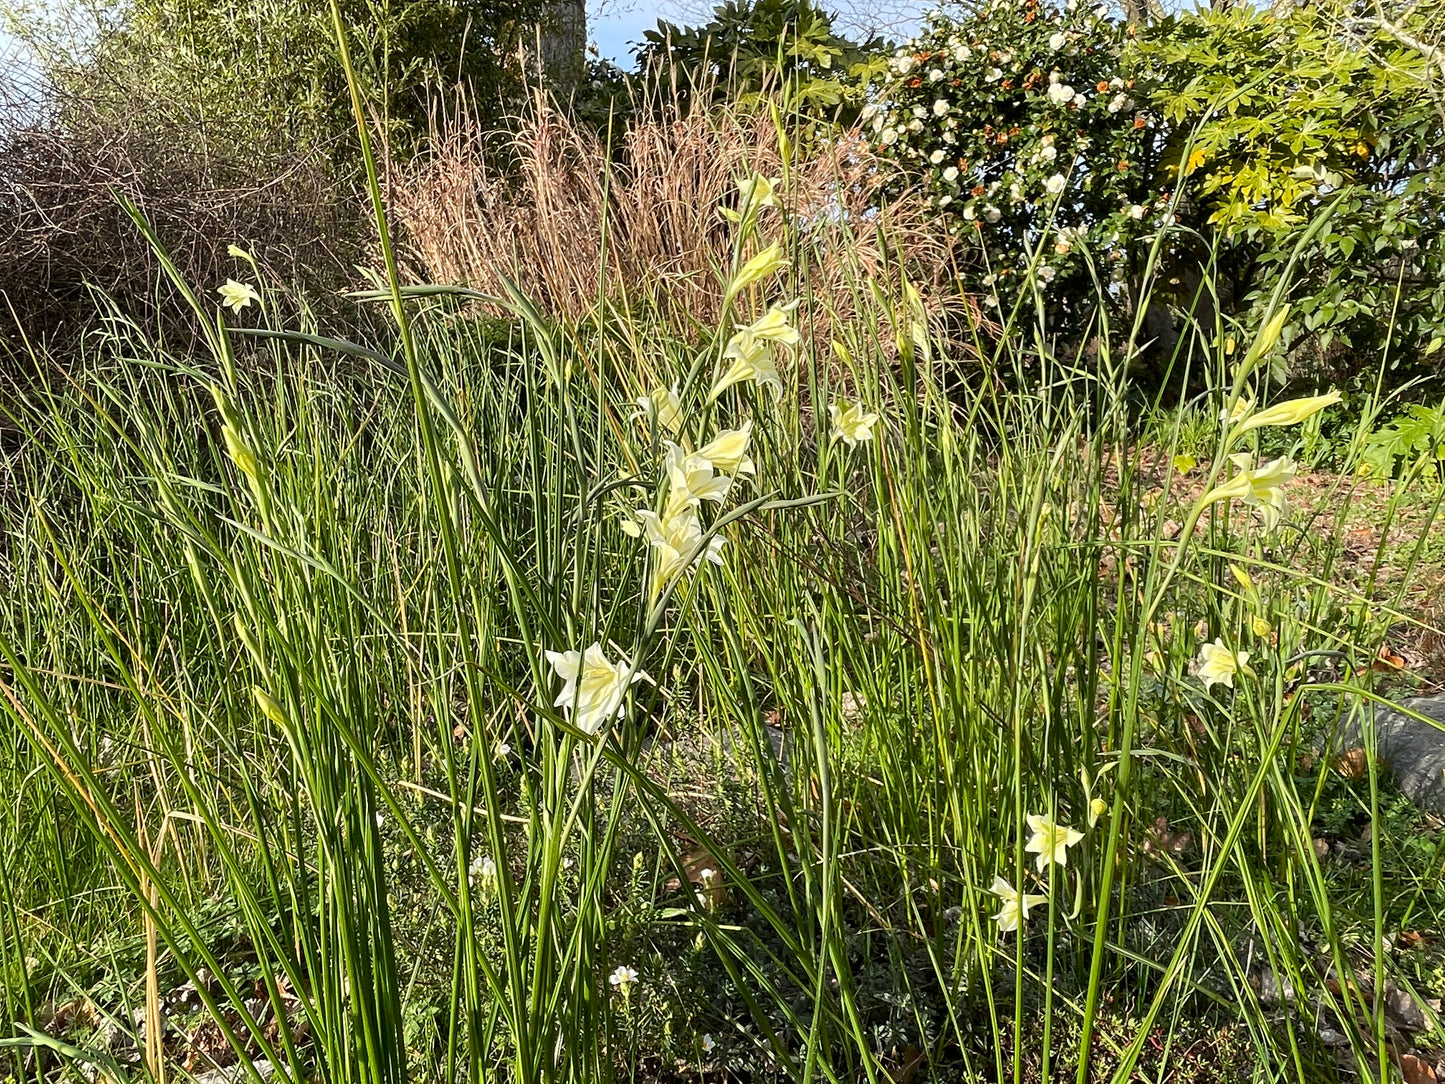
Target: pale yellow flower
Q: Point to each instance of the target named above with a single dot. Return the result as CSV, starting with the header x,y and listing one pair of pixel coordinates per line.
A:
x,y
677,544
1290,413
1050,841
237,295
1261,488
1266,486
764,265
1260,627
662,403
728,451
237,252
1217,664
1241,407
758,191
691,479
1013,907
593,688
851,423
751,350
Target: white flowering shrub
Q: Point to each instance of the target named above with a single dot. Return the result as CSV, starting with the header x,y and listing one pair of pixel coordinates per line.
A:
x,y
1016,118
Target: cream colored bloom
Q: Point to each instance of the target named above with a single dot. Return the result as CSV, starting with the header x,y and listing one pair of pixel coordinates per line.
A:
x,y
1217,664
751,351
663,404
1261,488
1266,486
677,544
1050,841
593,689
691,479
238,253
237,295
624,978
1014,908
851,423
1240,409
728,451
1290,413
764,265
758,191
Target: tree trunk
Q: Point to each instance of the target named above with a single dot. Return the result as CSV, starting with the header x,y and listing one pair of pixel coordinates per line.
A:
x,y
562,44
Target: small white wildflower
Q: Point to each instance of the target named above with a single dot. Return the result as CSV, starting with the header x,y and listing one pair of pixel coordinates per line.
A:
x,y
623,979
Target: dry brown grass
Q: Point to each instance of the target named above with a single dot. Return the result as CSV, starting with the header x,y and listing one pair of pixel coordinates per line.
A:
x,y
642,228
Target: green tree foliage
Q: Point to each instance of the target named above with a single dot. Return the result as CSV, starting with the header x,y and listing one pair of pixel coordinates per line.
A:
x,y
1017,117
267,73
1236,128
757,49
1273,117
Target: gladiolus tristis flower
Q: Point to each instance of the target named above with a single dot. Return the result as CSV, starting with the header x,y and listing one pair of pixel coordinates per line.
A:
x,y
237,295
238,253
1290,413
1050,841
691,480
593,688
1014,908
676,544
1262,487
1266,485
750,348
663,404
623,978
1241,408
1267,338
728,451
764,265
851,423
758,191
1217,663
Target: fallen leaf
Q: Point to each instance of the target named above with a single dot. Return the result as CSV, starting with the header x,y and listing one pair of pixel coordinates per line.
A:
x,y
1353,764
1416,1071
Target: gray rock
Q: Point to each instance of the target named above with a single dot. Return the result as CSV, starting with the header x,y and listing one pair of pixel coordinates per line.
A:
x,y
1413,750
